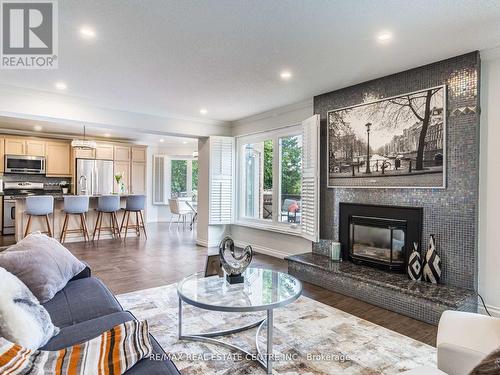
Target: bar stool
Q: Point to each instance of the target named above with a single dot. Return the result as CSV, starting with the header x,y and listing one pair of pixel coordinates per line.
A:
x,y
75,205
135,203
39,206
107,204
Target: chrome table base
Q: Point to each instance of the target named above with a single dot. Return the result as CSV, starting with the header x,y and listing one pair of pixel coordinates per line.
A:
x,y
263,359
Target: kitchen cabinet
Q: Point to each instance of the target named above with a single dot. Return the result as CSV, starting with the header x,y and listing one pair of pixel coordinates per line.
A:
x,y
122,167
15,146
139,154
122,153
58,155
138,178
84,154
104,152
2,154
35,147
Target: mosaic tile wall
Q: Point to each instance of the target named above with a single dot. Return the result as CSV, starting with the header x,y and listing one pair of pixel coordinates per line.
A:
x,y
451,214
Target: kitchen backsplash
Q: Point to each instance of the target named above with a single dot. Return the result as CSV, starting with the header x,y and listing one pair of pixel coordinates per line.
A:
x,y
49,182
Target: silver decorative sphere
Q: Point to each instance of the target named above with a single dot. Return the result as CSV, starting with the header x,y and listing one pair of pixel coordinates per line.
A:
x,y
233,263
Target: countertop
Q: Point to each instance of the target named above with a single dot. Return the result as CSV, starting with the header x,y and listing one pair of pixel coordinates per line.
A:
x,y
61,196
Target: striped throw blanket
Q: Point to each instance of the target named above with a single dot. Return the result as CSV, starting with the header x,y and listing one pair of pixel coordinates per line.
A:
x,y
114,352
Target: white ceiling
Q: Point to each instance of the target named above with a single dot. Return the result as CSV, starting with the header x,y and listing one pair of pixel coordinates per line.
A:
x,y
172,58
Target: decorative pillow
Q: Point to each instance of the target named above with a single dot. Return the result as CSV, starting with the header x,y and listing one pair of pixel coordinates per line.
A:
x,y
42,263
488,366
22,318
114,352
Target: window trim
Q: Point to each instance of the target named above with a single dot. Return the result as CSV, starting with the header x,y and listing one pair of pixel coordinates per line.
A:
x,y
166,183
265,224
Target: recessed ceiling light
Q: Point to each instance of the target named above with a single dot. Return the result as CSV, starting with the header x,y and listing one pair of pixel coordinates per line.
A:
x,y
37,128
60,85
384,37
286,75
87,32
203,111
161,139
184,142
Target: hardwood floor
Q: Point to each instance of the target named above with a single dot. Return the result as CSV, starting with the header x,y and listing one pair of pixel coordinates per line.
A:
x,y
168,256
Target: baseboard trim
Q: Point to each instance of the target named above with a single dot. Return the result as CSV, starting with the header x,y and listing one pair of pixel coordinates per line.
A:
x,y
263,250
494,311
205,243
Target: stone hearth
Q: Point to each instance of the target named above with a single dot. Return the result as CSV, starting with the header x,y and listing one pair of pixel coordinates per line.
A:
x,y
392,291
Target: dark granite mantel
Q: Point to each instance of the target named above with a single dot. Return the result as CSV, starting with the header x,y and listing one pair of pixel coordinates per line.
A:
x,y
392,291
398,282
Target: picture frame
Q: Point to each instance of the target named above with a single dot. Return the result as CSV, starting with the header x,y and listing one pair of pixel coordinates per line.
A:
x,y
403,137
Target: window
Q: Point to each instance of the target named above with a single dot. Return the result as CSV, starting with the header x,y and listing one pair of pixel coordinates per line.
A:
x,y
174,178
178,178
278,179
290,194
269,181
257,179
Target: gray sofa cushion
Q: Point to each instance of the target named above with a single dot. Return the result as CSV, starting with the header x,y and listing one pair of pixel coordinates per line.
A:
x,y
154,366
81,300
87,330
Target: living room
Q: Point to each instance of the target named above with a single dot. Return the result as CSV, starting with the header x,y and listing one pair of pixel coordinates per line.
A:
x,y
232,187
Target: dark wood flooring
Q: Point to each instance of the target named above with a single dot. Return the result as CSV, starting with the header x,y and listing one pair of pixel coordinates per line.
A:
x,y
168,256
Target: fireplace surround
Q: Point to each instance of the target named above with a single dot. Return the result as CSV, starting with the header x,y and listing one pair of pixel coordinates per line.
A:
x,y
379,236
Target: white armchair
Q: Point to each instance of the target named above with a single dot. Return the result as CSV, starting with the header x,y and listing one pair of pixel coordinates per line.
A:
x,y
463,340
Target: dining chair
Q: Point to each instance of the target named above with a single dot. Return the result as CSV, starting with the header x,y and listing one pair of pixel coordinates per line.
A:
x,y
175,209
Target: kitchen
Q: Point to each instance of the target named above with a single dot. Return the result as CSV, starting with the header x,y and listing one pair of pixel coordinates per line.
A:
x,y
54,166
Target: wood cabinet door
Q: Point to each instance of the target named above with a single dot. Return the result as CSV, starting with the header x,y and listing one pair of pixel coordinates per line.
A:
x,y
139,154
122,153
14,146
58,159
104,152
84,154
122,167
2,154
138,178
35,147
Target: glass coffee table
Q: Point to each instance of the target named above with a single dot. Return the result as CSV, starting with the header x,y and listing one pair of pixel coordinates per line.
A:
x,y
262,290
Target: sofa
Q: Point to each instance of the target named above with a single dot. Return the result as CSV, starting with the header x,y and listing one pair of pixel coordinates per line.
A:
x,y
463,341
84,309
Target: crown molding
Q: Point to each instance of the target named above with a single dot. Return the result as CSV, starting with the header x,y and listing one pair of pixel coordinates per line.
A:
x,y
273,112
75,100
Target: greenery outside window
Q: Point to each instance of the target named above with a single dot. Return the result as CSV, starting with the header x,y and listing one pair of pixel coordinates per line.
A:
x,y
269,171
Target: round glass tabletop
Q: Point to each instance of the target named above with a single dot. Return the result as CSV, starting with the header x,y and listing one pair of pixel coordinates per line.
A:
x,y
262,289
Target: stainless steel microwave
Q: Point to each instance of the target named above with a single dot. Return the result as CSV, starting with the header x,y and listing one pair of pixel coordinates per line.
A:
x,y
24,164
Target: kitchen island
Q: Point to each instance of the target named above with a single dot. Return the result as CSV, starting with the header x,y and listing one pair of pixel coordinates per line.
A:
x,y
57,220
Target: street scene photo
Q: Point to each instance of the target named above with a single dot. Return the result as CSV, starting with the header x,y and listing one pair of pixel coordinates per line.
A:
x,y
391,142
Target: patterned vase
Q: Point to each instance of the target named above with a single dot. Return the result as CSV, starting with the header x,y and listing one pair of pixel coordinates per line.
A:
x,y
415,264
432,267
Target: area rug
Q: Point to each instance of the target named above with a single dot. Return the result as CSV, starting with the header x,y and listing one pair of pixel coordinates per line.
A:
x,y
309,338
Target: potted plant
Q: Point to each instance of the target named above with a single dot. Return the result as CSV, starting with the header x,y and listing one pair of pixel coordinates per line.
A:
x,y
64,186
119,182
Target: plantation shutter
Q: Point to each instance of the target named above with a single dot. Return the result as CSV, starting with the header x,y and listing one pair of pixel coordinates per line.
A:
x,y
310,179
221,180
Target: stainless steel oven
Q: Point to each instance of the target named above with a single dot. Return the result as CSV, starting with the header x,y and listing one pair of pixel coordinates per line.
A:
x,y
24,164
9,215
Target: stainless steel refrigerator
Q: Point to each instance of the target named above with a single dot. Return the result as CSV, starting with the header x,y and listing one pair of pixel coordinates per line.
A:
x,y
94,177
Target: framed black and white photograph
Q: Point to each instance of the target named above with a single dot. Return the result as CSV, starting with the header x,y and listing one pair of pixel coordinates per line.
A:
x,y
396,142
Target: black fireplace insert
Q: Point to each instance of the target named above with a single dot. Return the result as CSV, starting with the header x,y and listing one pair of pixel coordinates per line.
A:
x,y
380,236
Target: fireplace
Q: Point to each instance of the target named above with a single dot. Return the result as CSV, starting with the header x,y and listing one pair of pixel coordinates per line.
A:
x,y
379,236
